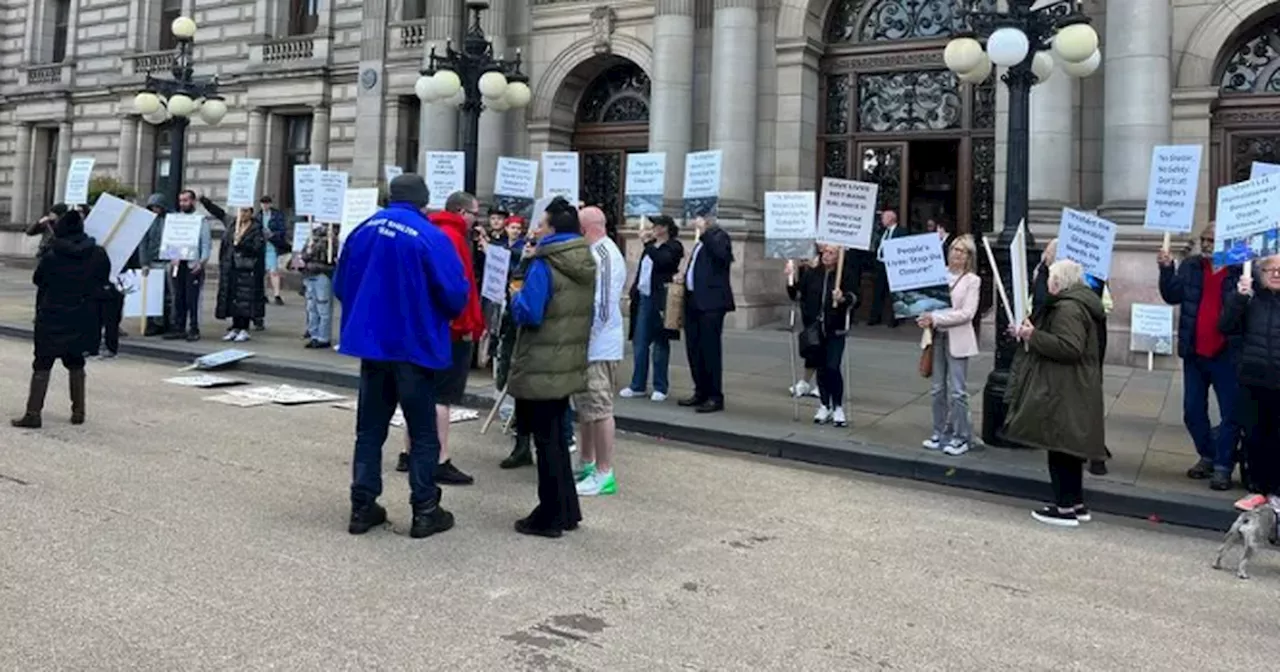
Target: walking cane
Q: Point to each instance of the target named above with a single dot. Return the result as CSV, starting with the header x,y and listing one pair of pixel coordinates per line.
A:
x,y
502,396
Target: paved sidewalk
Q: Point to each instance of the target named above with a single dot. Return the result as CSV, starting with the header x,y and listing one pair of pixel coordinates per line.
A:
x,y
889,409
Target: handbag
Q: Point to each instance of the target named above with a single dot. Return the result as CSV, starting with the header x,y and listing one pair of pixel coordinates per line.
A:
x,y
673,315
926,354
810,339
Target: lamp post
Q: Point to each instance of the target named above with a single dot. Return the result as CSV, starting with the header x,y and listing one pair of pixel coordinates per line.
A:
x,y
1029,39
178,98
474,80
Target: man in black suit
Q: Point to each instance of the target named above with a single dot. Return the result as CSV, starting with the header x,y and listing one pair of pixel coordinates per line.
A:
x,y
889,230
708,297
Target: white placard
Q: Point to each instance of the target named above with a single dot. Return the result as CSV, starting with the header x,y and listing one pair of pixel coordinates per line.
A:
x,y
560,175
1248,208
180,239
1171,189
847,213
1087,240
1020,274
516,177
142,297
646,180
357,206
390,172
1260,169
915,262
1151,328
118,226
301,235
702,174
331,189
242,183
497,267
789,227
446,174
205,380
78,175
306,185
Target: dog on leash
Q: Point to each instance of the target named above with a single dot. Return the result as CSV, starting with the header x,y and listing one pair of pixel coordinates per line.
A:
x,y
1254,529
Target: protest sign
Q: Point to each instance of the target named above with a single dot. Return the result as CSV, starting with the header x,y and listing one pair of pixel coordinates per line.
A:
x,y
118,226
78,175
1171,189
702,183
142,298
1087,240
646,177
560,175
1247,219
1151,328
1020,275
1260,169
917,274
242,183
358,205
497,265
789,224
180,239
390,172
847,213
331,189
515,184
306,182
301,234
446,174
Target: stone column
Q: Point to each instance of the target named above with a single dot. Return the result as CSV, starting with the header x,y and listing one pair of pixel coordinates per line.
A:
x,y
366,165
735,28
1052,148
493,131
319,135
127,152
671,89
257,148
19,208
1138,116
440,122
64,161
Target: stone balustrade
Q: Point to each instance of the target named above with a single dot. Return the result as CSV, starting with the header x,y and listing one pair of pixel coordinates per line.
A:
x,y
148,62
408,35
47,74
292,48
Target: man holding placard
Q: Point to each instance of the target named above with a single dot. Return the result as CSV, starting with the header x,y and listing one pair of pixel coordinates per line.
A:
x,y
708,297
889,230
186,242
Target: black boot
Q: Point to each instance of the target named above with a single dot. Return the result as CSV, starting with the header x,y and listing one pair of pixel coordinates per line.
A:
x,y
365,517
430,518
35,401
521,454
77,378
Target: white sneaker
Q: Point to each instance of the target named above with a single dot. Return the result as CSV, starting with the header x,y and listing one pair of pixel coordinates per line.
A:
x,y
658,397
241,336
815,392
231,335
932,443
628,393
573,446
801,388
956,448
837,417
822,416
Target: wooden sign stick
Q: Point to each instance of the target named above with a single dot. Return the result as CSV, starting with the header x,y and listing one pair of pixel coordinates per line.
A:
x,y
1248,271
142,302
995,273
1167,240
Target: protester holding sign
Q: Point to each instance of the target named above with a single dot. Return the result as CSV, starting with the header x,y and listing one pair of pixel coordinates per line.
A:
x,y
887,231
317,281
825,301
186,277
149,259
1208,356
1252,313
954,343
650,341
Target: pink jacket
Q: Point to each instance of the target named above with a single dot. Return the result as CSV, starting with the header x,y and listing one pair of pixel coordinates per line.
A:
x,y
957,321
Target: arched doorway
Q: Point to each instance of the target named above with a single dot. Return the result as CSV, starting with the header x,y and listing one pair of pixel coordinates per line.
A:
x,y
1246,122
893,114
611,120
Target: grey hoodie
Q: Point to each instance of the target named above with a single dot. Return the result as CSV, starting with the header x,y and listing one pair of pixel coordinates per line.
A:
x,y
149,249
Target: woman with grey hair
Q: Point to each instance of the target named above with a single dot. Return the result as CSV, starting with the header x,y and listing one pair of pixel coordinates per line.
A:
x,y
1055,393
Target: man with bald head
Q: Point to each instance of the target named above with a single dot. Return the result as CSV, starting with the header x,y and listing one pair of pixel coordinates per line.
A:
x,y
594,407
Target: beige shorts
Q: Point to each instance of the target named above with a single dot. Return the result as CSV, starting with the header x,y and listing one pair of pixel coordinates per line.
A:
x,y
596,403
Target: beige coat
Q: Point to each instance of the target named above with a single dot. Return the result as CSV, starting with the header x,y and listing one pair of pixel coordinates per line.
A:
x,y
957,321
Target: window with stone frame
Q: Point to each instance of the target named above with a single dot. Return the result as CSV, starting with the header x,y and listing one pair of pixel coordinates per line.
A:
x,y
409,135
169,10
160,164
304,16
297,152
61,30
413,10
1254,66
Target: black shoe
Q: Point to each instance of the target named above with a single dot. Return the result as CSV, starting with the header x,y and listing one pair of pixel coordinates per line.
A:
x,y
1098,467
192,337
1221,481
279,301
873,323
1202,470
1050,515
152,331
710,407
895,324
174,336
447,474
527,526
690,402
429,518
1083,514
260,326
520,455
402,464
366,517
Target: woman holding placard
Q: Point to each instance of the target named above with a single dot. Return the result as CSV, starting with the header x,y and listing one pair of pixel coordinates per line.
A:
x,y
824,311
659,262
954,343
240,289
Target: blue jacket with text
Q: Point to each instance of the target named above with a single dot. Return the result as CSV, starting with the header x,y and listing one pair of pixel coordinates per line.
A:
x,y
400,283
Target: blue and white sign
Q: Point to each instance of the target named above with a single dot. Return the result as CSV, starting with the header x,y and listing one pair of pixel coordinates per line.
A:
x,y
1088,240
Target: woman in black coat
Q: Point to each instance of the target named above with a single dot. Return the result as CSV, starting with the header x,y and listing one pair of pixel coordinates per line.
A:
x,y
659,263
69,276
240,290
824,314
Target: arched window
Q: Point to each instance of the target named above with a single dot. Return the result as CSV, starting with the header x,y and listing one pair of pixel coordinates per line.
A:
x,y
619,95
1254,67
892,20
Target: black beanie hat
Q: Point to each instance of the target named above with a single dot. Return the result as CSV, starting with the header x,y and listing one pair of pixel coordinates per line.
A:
x,y
409,188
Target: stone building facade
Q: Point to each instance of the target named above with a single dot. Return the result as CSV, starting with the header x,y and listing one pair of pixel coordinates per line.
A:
x,y
789,90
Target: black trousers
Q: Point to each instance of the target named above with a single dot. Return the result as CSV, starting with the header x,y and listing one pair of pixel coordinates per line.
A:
x,y
1258,411
879,294
704,344
557,493
185,291
110,312
69,362
1066,476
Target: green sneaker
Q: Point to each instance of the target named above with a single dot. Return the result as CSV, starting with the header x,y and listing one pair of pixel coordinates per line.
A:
x,y
587,471
600,483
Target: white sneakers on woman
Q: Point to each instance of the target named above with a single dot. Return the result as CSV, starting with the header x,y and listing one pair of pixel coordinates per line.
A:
x,y
237,335
835,416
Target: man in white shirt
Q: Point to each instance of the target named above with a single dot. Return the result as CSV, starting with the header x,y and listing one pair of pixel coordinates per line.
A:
x,y
594,407
880,294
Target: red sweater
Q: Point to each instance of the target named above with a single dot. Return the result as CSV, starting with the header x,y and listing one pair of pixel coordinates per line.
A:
x,y
471,321
1209,341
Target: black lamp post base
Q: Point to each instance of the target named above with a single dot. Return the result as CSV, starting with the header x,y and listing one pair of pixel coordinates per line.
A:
x,y
994,410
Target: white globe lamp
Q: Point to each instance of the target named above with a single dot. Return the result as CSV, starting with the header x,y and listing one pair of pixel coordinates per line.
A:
x,y
458,98
1075,43
425,89
1042,65
446,83
1008,47
213,110
492,84
1084,68
517,95
183,28
979,74
156,118
181,105
146,103
496,104
963,54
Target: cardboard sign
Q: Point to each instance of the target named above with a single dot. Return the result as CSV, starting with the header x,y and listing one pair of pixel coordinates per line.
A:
x,y
847,213
306,184
446,174
331,189
118,226
1087,240
789,227
180,239
1151,328
560,175
702,183
646,180
497,266
78,175
1020,275
242,183
142,298
1171,191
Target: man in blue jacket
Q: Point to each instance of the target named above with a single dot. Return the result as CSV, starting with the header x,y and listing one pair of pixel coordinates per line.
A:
x,y
400,283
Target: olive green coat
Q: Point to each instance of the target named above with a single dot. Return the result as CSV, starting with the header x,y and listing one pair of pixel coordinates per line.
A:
x,y
1055,389
550,361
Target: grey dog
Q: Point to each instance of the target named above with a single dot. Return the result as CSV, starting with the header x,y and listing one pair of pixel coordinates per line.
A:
x,y
1253,529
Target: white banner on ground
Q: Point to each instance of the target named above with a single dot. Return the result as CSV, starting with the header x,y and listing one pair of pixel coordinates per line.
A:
x,y
1171,190
1087,240
242,183
847,213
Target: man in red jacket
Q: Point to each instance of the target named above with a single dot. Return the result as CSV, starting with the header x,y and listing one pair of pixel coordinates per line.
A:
x,y
456,221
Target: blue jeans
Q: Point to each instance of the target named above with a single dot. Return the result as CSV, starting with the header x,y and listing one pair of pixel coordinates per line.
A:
x,y
319,306
383,385
1198,375
649,332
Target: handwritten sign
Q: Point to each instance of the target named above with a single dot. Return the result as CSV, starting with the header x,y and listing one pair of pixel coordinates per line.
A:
x,y
446,174
242,183
847,213
78,175
1087,240
1151,328
1020,274
301,235
1260,169
357,206
789,224
702,183
515,184
181,237
331,189
1171,190
306,184
497,265
646,179
390,172
560,175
